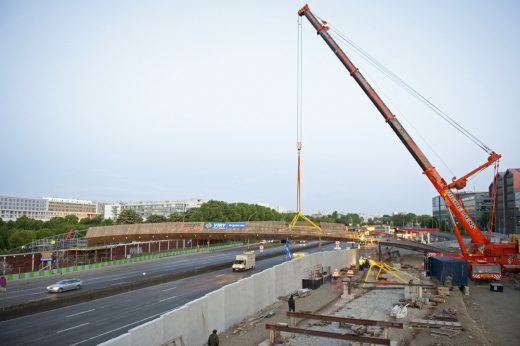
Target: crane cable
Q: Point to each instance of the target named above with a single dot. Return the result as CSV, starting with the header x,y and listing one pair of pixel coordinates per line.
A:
x,y
408,88
299,112
299,135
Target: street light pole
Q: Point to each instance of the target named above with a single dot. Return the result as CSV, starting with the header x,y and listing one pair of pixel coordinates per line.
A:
x,y
249,219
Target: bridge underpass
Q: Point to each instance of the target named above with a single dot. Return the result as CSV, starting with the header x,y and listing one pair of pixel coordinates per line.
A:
x,y
268,230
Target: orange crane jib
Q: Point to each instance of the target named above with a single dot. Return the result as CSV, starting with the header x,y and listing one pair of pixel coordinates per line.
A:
x,y
482,248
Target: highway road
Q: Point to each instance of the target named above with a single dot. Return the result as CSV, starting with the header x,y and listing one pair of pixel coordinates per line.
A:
x,y
24,291
102,319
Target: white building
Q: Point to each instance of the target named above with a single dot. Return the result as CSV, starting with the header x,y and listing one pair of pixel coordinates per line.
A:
x,y
11,208
147,208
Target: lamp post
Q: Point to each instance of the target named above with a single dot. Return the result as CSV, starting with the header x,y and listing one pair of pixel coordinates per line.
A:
x,y
436,224
249,219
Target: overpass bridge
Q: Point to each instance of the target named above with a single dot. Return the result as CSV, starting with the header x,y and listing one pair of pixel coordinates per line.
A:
x,y
218,231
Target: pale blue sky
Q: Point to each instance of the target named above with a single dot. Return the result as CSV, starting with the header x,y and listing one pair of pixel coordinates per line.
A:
x,y
151,100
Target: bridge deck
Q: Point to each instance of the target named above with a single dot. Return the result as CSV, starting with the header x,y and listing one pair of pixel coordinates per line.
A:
x,y
216,230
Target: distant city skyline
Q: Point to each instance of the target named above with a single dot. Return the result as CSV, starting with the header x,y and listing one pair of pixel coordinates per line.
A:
x,y
198,201
132,100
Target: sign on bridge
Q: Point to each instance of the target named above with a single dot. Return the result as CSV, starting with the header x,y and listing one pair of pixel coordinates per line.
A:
x,y
224,225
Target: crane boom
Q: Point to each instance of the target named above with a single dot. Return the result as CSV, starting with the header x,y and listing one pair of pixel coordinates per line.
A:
x,y
443,188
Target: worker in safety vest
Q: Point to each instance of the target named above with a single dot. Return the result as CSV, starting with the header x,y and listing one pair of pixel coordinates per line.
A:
x,y
361,262
336,274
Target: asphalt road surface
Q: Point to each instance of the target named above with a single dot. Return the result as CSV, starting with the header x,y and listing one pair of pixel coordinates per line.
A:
x,y
99,320
25,291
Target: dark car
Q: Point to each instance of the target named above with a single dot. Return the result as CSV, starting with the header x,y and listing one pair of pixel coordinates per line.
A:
x,y
65,285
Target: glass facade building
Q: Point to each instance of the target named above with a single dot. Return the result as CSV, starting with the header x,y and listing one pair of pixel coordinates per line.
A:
x,y
507,204
478,205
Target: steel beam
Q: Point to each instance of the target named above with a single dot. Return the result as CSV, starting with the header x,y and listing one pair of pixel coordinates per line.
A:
x,y
330,335
310,316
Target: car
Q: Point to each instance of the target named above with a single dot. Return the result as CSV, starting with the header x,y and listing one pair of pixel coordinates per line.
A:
x,y
65,285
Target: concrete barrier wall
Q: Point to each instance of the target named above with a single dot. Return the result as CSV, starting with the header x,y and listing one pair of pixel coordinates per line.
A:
x,y
229,305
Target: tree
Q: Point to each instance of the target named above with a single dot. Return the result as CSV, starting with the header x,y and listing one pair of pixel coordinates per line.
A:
x,y
177,217
91,221
156,219
54,222
21,237
44,233
71,219
107,222
129,216
483,220
25,222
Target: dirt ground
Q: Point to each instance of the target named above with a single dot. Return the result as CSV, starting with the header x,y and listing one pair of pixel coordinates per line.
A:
x,y
487,318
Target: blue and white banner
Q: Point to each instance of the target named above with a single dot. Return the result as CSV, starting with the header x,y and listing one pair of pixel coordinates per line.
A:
x,y
288,250
224,225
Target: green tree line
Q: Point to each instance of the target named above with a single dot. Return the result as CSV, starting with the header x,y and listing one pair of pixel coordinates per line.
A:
x,y
14,234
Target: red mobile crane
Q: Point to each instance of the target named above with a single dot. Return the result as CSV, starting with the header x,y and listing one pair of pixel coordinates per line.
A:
x,y
483,256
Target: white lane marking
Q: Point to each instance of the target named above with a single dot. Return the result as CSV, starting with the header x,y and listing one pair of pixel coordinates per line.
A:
x,y
219,275
162,300
113,330
222,282
119,283
33,294
79,313
79,325
168,289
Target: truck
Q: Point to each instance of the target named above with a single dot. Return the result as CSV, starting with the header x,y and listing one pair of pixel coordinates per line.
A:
x,y
244,261
484,256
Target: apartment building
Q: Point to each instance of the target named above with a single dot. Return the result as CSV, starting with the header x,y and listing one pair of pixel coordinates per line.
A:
x,y
147,208
11,208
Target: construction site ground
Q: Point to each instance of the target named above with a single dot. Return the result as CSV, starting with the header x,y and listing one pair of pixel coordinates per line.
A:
x,y
486,317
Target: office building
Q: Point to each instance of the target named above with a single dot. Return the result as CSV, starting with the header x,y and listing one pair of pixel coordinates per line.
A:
x,y
478,205
507,202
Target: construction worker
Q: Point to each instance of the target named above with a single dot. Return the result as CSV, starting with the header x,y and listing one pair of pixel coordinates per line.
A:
x,y
361,262
213,339
336,274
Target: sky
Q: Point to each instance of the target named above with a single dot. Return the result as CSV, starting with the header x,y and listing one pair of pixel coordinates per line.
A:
x,y
164,100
